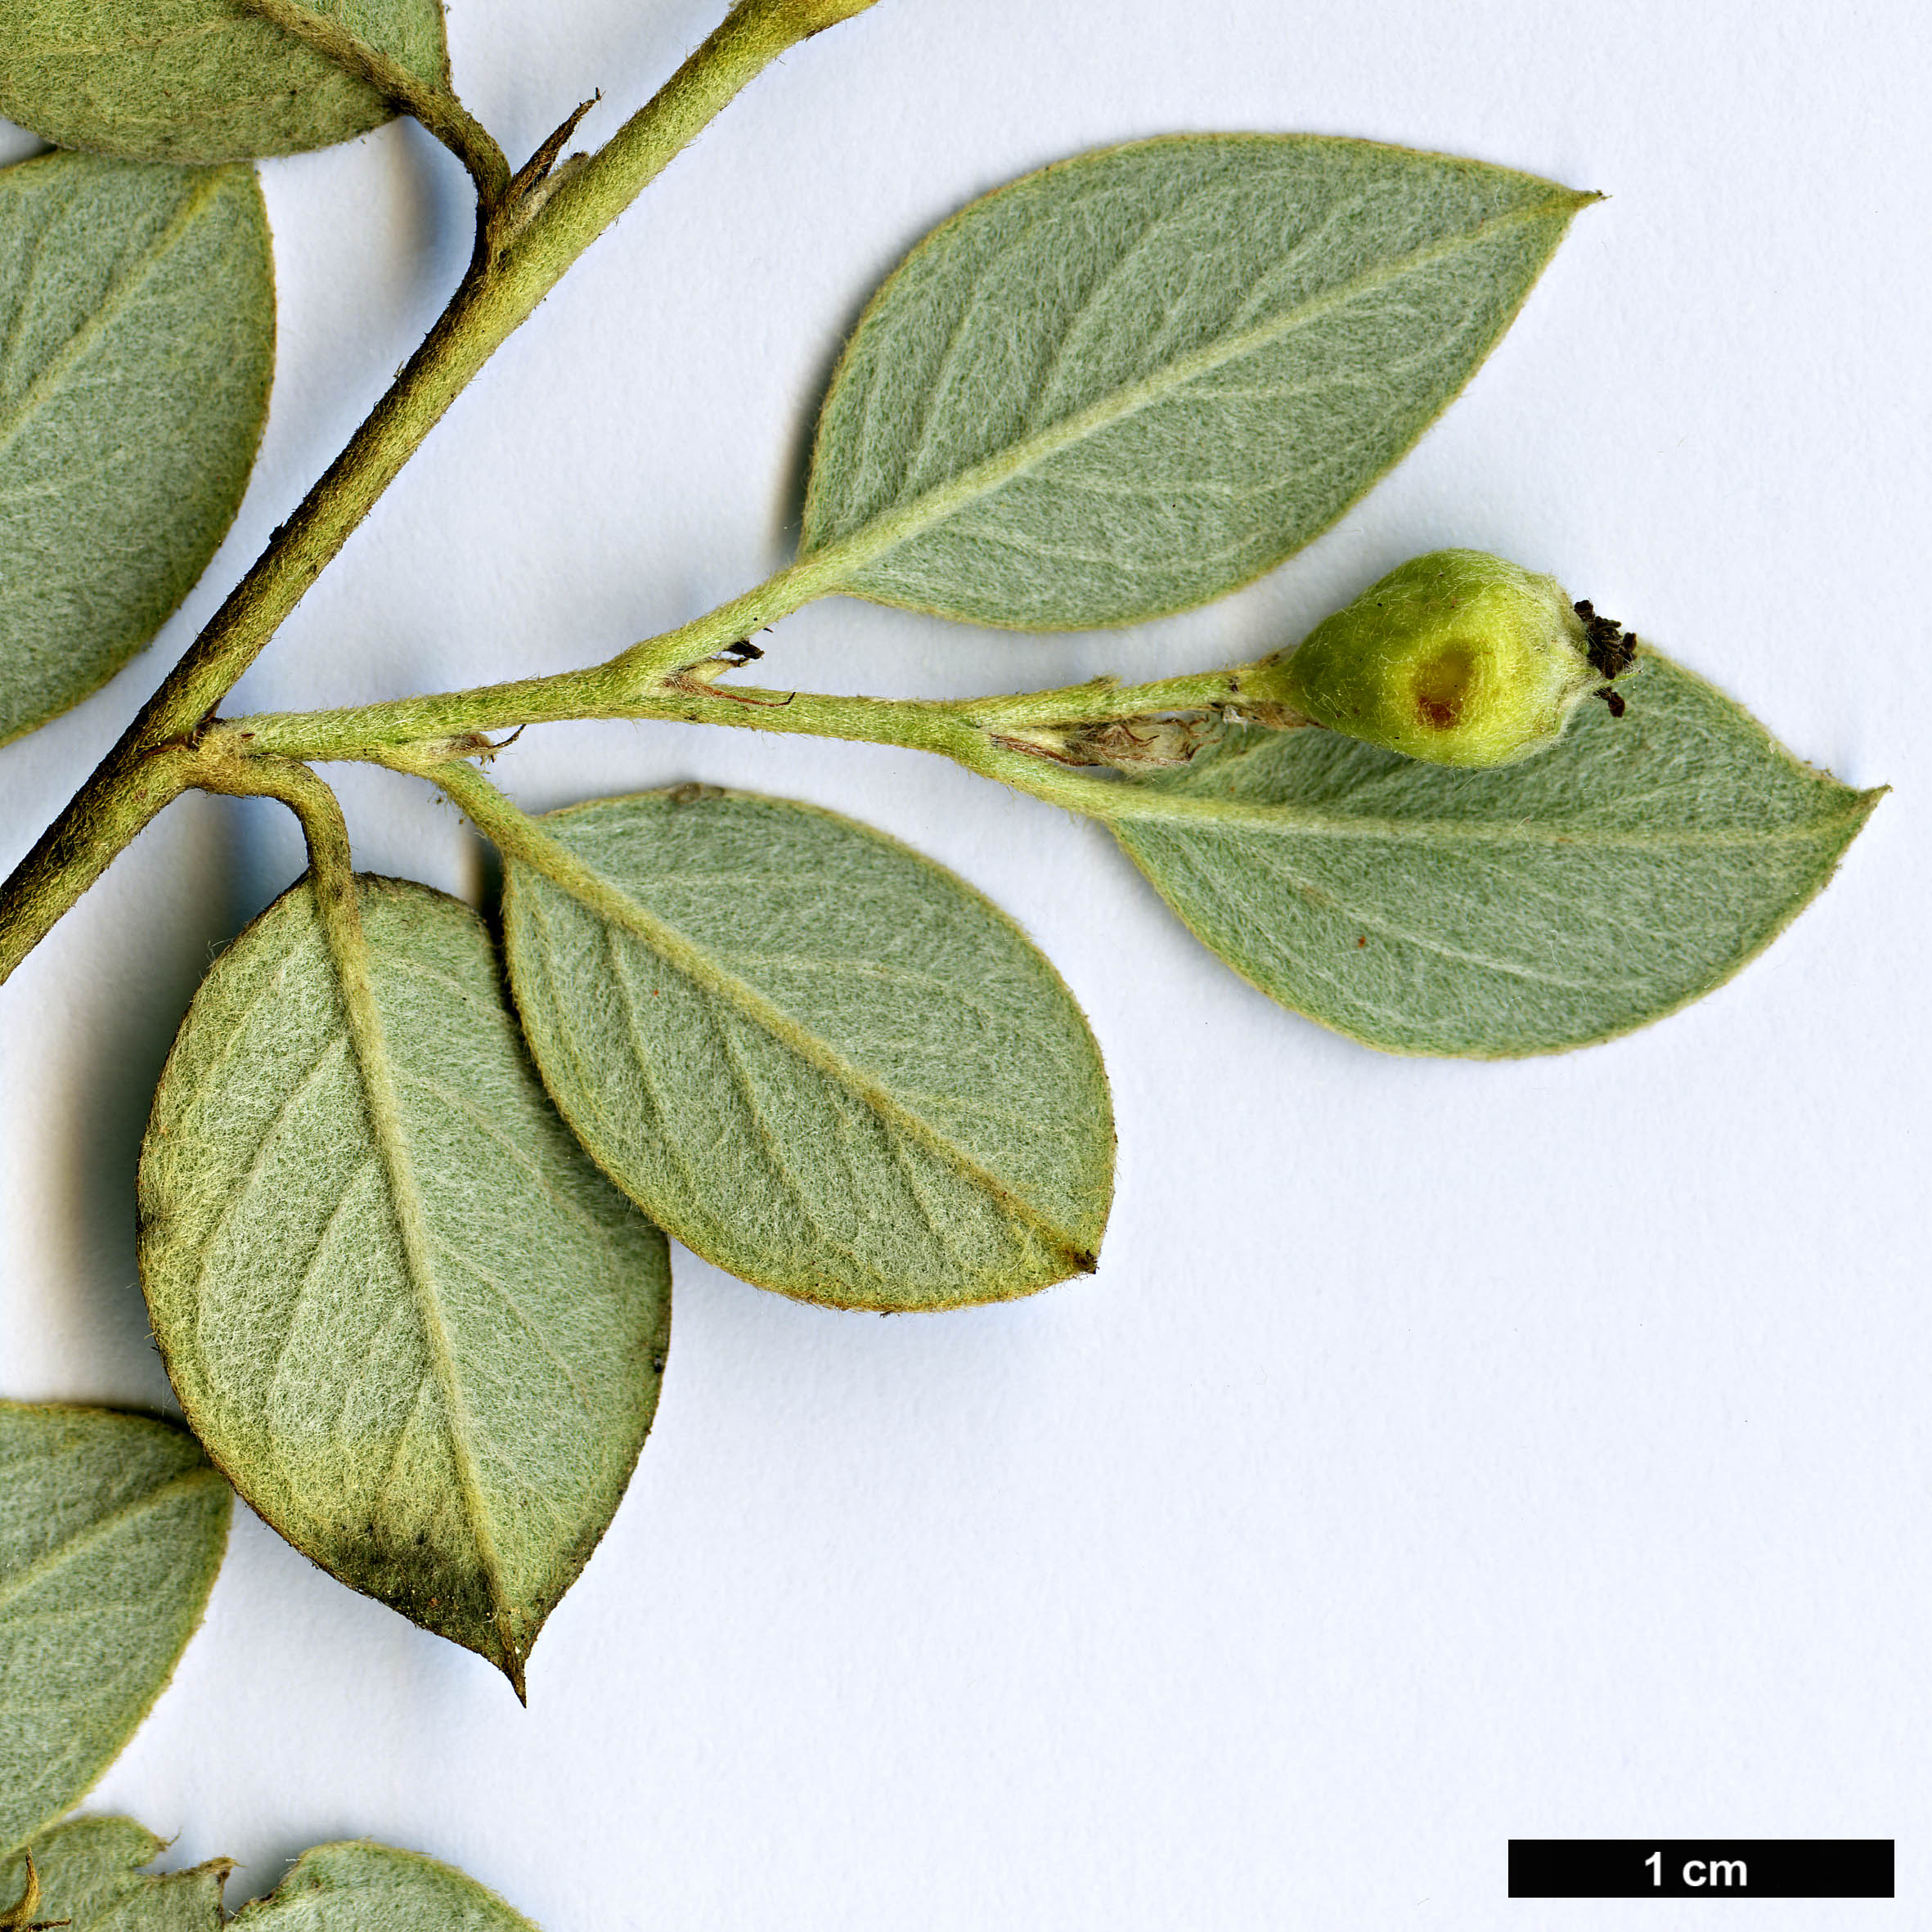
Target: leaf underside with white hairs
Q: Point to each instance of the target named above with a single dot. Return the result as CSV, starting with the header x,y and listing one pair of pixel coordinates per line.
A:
x,y
136,350
201,80
1129,384
1603,883
111,1530
821,1061
91,1878
424,1341
372,1888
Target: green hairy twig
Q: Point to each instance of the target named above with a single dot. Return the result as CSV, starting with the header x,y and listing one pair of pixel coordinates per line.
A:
x,y
498,294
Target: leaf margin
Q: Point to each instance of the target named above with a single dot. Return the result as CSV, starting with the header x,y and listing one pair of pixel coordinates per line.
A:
x,y
205,1471
268,1912
213,178
140,1847
389,110
1577,200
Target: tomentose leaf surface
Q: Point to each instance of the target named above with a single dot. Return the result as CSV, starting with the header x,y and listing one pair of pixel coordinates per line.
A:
x,y
814,1056
371,1887
422,1336
136,349
1599,885
111,1530
200,80
1128,383
91,1876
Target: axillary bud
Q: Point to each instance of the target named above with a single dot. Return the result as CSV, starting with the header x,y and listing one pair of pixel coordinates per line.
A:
x,y
1457,657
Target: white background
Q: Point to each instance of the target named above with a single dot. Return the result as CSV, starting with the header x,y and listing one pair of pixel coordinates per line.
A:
x,y
1442,1452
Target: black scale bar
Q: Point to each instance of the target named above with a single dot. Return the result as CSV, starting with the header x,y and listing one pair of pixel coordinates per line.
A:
x,y
1701,1868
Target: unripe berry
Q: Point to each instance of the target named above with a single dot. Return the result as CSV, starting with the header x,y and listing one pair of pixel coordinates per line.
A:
x,y
1455,657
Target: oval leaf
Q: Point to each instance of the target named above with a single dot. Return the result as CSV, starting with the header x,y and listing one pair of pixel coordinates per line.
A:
x,y
369,1888
1127,384
138,320
200,80
91,1878
111,1530
424,1340
816,1058
1543,906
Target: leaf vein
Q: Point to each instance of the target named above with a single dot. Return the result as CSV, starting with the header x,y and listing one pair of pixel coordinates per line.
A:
x,y
129,278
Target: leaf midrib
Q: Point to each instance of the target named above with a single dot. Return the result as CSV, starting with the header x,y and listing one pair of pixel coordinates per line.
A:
x,y
847,556
93,50
1311,822
384,1112
610,903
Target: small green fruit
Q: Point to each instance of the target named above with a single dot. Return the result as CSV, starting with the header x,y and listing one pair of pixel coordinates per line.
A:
x,y
1457,657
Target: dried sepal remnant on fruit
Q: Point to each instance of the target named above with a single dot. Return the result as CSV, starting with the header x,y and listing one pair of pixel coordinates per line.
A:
x,y
1610,647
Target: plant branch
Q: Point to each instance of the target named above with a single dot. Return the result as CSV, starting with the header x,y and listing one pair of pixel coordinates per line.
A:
x,y
678,676
437,109
1030,740
457,719
870,720
499,293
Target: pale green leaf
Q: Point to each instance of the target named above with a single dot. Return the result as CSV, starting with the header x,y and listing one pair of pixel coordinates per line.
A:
x,y
425,1341
200,80
111,1530
1129,384
369,1888
817,1058
90,1874
136,349
1419,908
